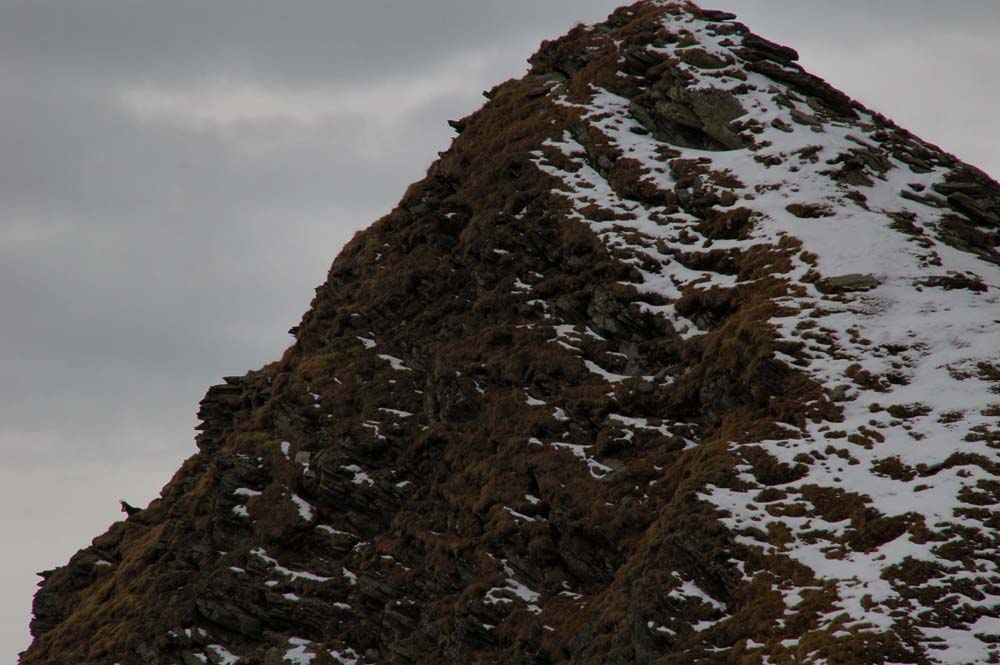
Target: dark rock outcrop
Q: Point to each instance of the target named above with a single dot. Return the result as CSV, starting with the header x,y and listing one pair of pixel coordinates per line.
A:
x,y
657,364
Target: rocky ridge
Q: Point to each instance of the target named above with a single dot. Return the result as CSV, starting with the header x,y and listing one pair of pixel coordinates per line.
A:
x,y
678,354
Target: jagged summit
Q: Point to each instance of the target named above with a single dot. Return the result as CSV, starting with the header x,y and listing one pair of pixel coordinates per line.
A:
x,y
677,355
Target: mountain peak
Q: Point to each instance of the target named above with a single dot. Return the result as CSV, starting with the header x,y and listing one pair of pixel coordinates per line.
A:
x,y
678,354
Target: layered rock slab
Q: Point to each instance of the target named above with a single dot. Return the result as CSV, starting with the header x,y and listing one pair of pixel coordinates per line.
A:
x,y
676,355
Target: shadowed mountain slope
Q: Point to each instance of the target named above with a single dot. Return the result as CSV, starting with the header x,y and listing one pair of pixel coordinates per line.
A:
x,y
677,355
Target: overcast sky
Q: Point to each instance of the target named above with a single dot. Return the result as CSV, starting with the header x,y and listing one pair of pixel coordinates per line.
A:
x,y
176,177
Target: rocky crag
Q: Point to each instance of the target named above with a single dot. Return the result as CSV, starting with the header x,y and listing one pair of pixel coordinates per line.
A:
x,y
677,355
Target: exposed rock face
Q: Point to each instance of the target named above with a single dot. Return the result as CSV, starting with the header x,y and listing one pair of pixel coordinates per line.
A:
x,y
676,355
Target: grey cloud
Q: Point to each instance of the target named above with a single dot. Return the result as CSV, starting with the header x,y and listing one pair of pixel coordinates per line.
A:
x,y
268,40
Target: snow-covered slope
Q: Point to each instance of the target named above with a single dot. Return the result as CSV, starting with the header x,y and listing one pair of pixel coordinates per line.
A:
x,y
899,324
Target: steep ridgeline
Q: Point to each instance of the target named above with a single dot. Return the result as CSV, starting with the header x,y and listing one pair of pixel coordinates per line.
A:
x,y
677,355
